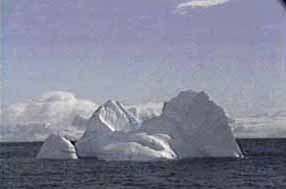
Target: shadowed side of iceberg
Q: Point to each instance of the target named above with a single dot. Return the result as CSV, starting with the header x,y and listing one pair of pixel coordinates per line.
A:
x,y
198,127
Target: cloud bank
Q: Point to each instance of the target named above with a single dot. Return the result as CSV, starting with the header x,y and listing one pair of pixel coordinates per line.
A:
x,y
52,112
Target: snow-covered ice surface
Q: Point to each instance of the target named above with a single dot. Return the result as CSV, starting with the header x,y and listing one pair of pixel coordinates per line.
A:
x,y
113,116
138,147
108,120
57,147
190,125
112,134
36,119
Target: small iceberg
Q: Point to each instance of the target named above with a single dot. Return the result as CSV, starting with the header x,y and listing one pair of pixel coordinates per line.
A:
x,y
57,147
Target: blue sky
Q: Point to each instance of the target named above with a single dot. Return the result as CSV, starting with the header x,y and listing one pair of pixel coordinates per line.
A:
x,y
147,50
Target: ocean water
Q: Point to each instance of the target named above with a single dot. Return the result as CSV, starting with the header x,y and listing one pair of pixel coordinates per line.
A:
x,y
263,167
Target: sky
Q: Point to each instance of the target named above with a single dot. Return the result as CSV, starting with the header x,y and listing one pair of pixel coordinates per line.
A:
x,y
146,50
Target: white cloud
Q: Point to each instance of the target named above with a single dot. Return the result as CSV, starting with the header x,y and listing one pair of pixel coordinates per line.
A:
x,y
183,8
53,112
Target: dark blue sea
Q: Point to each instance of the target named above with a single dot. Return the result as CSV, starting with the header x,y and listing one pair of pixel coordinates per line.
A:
x,y
263,167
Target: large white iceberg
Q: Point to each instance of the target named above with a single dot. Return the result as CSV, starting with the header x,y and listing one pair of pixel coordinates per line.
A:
x,y
191,125
198,127
57,147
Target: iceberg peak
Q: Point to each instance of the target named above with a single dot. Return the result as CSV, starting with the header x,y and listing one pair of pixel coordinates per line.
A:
x,y
111,103
114,116
57,147
108,120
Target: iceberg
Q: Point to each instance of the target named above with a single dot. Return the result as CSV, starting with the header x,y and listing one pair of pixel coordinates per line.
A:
x,y
112,134
57,147
190,125
104,125
198,127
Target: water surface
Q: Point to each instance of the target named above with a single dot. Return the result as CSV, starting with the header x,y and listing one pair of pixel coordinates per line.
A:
x,y
263,167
